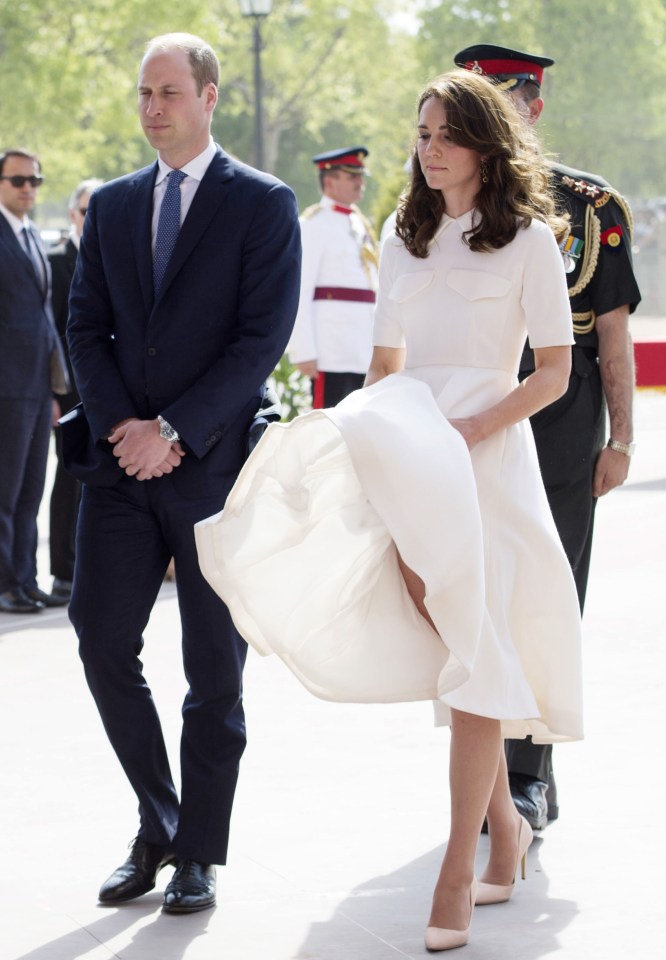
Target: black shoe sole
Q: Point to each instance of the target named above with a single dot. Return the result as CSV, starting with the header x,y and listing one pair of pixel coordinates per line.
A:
x,y
185,909
37,608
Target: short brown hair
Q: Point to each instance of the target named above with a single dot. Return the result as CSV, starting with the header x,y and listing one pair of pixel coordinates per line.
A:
x,y
482,118
18,152
204,63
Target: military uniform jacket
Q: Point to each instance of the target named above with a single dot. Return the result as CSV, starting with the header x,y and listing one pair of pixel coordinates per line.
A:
x,y
339,251
601,228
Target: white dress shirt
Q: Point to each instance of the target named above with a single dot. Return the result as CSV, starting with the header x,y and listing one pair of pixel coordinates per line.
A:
x,y
194,171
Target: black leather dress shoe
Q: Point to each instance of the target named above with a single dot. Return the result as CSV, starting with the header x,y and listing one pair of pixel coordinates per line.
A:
x,y
61,589
16,601
137,875
529,797
191,888
39,596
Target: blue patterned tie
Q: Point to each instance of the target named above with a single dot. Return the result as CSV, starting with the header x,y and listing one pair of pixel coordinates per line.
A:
x,y
168,226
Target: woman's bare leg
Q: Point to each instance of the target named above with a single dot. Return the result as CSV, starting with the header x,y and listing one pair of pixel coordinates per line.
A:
x,y
503,830
416,589
476,746
476,749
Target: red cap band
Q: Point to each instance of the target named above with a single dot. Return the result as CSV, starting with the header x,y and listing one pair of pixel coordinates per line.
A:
x,y
349,160
506,67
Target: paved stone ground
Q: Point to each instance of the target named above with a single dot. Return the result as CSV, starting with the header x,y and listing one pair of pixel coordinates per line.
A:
x,y
342,811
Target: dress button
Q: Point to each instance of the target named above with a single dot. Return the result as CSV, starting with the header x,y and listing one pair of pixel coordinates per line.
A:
x,y
152,351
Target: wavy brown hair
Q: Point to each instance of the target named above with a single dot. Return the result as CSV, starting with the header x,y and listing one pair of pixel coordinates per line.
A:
x,y
481,117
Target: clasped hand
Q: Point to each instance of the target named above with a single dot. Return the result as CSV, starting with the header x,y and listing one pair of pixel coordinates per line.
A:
x,y
142,452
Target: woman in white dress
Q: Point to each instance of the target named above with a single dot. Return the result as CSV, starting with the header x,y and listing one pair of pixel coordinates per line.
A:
x,y
443,575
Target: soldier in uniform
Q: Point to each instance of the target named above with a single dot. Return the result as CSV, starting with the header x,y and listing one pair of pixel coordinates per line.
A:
x,y
332,338
578,463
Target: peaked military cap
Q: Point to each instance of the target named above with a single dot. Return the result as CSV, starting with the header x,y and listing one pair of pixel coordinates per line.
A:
x,y
349,159
509,68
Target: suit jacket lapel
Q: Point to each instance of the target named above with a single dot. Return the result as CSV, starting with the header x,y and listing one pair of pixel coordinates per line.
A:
x,y
17,251
206,203
139,202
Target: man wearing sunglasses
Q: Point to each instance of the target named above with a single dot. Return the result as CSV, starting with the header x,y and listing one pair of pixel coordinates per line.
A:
x,y
31,363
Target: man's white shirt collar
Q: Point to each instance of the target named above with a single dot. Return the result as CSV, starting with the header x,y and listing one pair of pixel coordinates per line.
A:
x,y
195,168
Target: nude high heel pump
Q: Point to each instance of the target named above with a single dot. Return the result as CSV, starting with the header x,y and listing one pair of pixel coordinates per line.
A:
x,y
437,938
496,892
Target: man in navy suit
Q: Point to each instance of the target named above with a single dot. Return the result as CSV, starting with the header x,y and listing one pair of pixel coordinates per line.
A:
x,y
66,492
171,372
29,356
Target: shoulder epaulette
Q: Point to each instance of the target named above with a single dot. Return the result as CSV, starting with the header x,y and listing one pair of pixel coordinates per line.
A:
x,y
366,223
311,210
369,248
596,195
590,192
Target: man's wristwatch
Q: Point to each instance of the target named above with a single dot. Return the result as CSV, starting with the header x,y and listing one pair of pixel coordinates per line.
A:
x,y
166,431
628,449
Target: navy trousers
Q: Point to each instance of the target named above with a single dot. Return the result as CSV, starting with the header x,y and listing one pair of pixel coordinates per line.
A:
x,y
25,429
126,536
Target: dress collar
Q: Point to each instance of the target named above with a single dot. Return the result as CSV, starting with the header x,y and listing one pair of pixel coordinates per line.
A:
x,y
465,222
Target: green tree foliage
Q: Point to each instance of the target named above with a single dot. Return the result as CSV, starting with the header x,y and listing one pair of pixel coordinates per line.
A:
x,y
336,73
71,69
606,95
329,68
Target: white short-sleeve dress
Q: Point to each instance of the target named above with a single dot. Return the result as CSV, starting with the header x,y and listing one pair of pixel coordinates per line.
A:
x,y
304,552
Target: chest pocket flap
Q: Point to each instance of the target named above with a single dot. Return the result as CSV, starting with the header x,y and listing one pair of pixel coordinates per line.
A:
x,y
409,284
477,285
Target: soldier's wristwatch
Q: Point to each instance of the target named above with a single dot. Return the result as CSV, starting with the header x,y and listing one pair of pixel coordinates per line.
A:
x,y
166,431
628,449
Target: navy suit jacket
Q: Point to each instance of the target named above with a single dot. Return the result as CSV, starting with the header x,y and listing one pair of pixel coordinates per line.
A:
x,y
63,263
27,332
200,352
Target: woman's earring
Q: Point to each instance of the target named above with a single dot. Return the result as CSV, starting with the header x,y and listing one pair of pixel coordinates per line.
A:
x,y
484,171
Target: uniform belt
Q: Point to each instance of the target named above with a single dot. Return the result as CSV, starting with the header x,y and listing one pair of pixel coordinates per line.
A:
x,y
344,293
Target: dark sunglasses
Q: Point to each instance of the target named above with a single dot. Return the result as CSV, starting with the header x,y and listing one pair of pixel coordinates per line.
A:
x,y
18,181
83,211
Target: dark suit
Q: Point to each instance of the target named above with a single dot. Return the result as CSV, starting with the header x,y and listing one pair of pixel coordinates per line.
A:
x,y
27,341
198,355
66,493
